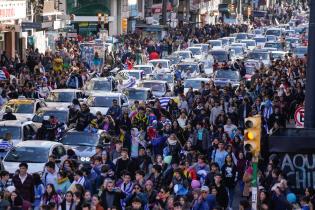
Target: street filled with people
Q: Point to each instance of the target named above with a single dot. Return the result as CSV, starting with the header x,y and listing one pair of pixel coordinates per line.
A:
x,y
153,123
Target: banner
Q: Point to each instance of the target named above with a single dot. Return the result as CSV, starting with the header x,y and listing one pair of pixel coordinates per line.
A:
x,y
299,169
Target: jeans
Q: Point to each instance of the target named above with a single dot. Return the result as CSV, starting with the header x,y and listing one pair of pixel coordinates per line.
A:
x,y
231,196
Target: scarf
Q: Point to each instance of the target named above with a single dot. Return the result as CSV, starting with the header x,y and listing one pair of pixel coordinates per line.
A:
x,y
62,180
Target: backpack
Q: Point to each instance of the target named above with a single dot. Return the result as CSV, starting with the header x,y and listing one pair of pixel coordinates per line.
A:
x,y
72,82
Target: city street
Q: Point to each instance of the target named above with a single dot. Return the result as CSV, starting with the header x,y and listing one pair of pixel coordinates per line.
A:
x,y
157,105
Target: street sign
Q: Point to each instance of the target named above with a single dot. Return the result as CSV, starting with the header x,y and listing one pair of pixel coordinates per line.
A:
x,y
299,117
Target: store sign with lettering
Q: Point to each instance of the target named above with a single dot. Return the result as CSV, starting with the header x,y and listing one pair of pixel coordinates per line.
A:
x,y
12,10
299,169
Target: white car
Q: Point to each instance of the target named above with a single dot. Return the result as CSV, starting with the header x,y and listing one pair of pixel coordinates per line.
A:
x,y
102,101
205,47
63,97
197,52
166,64
194,83
185,55
35,153
158,88
278,55
20,130
147,68
250,44
260,41
99,84
215,44
134,77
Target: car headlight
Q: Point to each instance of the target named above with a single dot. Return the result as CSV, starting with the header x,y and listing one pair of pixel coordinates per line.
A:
x,y
85,159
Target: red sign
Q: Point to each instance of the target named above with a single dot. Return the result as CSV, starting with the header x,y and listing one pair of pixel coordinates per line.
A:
x,y
299,117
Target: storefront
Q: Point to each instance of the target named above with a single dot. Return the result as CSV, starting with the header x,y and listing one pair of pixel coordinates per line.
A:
x,y
10,40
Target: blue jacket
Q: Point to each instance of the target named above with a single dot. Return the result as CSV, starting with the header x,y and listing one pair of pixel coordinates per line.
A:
x,y
208,203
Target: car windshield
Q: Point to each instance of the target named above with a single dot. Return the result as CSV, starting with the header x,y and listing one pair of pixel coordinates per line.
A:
x,y
155,63
241,36
238,50
136,75
22,108
147,70
204,48
101,101
61,97
220,56
292,40
215,43
80,139
225,42
249,43
260,39
164,77
274,32
227,74
271,38
100,85
195,51
195,84
273,45
13,130
155,86
258,55
250,69
277,55
186,67
134,94
27,155
300,50
184,55
62,116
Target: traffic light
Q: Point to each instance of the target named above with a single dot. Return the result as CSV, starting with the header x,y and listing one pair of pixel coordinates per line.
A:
x,y
252,135
124,23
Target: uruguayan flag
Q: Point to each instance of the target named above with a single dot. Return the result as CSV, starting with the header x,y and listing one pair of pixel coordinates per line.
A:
x,y
164,101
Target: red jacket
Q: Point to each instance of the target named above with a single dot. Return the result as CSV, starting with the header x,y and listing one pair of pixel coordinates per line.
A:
x,y
154,55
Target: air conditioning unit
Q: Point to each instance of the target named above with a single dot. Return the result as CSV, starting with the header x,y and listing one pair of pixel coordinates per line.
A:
x,y
1,37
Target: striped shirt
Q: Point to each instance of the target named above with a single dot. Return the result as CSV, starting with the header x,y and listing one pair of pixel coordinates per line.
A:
x,y
5,145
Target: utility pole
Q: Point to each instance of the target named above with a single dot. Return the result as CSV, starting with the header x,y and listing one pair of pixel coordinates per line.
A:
x,y
164,12
310,75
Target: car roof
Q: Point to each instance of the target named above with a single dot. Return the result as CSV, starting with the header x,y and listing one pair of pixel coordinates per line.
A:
x,y
144,65
153,81
53,108
132,70
37,143
185,51
105,93
138,88
100,79
164,60
21,101
16,123
195,47
199,79
66,90
188,63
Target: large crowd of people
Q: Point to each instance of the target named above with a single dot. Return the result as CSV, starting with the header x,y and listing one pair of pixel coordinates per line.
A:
x,y
188,155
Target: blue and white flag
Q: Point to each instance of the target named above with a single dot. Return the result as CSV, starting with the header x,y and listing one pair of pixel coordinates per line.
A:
x,y
164,101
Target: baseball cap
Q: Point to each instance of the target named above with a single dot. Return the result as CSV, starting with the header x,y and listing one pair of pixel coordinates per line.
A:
x,y
205,188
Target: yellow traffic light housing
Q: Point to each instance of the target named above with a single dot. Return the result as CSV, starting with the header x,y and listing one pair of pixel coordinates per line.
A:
x,y
252,135
124,24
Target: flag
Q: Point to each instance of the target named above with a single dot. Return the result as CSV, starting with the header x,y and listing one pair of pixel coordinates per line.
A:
x,y
164,101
